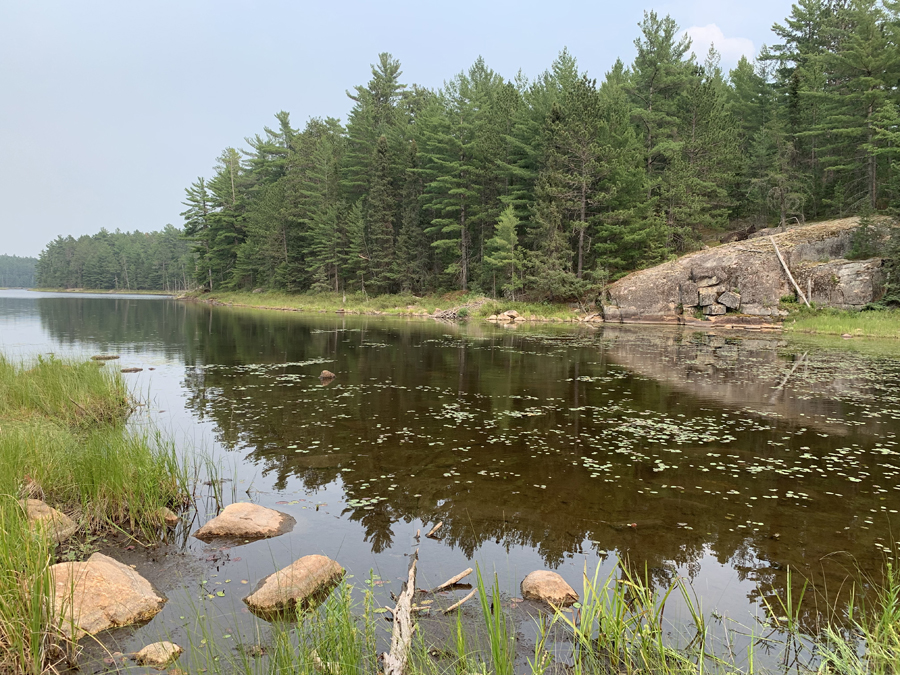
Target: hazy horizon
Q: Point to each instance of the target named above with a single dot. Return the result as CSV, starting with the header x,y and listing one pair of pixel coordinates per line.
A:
x,y
111,110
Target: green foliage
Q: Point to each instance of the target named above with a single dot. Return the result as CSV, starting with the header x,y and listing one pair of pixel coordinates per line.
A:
x,y
602,180
117,260
16,271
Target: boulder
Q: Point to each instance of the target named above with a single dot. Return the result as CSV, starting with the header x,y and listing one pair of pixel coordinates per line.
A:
x,y
715,309
548,587
519,319
243,520
47,519
326,375
299,584
492,317
814,253
511,313
100,593
708,296
730,299
158,654
166,517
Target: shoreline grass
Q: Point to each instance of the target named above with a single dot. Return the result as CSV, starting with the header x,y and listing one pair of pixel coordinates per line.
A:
x,y
619,626
880,323
64,440
403,304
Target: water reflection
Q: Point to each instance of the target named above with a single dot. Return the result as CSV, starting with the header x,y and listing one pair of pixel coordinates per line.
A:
x,y
661,447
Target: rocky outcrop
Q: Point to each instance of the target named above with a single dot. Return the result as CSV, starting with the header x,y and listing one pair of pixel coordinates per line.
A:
x,y
57,525
100,593
746,277
549,587
298,584
158,654
243,520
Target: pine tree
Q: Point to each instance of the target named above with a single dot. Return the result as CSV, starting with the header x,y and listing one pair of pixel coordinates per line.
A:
x,y
380,220
500,255
413,251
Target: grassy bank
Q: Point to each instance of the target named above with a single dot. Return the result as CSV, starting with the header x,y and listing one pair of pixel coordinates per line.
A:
x,y
392,305
619,626
883,323
63,439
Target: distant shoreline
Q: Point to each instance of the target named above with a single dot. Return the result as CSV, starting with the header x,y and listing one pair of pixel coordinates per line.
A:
x,y
100,291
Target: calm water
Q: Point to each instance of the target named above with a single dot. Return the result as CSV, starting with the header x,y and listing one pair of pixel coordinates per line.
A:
x,y
724,459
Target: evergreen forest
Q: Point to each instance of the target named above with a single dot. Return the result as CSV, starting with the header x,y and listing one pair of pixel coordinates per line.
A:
x,y
137,261
16,272
543,188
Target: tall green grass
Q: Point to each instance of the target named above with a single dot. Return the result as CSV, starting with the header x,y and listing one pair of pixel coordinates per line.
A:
x,y
618,628
64,439
879,323
403,304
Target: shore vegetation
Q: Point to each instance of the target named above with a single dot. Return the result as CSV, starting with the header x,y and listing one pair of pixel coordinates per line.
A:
x,y
64,440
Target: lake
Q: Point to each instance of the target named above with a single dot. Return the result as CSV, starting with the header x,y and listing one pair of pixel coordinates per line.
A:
x,y
724,458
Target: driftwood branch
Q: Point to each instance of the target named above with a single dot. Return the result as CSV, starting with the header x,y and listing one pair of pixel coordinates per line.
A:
x,y
396,660
452,581
457,604
790,276
434,529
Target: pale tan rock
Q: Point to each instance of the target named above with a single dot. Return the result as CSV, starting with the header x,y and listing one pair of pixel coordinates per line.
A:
x,y
492,317
511,313
47,519
167,516
519,319
101,593
548,587
296,584
158,654
326,375
246,521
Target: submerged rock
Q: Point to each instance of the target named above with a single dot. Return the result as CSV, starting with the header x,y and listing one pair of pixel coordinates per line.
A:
x,y
549,587
166,516
158,654
100,593
298,584
246,521
47,519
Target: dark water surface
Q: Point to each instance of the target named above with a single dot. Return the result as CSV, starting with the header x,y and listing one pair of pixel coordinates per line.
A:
x,y
726,459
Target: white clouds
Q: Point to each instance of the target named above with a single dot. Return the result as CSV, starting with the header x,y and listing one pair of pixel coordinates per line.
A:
x,y
731,48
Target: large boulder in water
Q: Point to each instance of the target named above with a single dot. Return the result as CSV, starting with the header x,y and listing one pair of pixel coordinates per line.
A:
x,y
101,593
56,524
549,587
243,520
299,584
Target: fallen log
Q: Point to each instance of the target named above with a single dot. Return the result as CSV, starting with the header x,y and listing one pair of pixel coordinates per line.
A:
x,y
452,581
434,529
396,660
457,604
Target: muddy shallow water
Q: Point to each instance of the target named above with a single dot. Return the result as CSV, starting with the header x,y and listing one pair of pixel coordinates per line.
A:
x,y
722,458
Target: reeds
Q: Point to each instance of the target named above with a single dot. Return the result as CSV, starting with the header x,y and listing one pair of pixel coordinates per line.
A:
x,y
63,439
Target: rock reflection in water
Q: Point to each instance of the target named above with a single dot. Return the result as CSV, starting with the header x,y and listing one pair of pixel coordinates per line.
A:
x,y
659,446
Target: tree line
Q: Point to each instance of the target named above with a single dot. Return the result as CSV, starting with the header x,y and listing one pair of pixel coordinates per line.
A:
x,y
17,272
549,187
160,261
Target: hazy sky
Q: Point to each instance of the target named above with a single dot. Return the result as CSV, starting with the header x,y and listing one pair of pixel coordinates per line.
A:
x,y
108,110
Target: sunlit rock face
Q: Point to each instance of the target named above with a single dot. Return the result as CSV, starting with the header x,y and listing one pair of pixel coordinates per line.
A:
x,y
747,277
